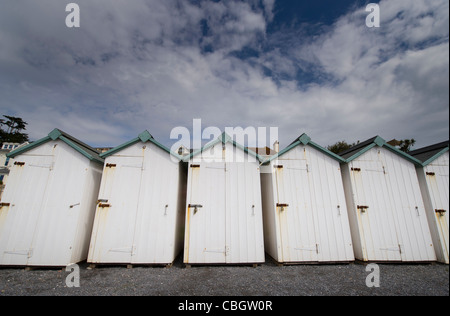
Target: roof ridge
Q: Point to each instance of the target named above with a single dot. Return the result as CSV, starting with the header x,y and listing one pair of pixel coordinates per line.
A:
x,y
430,148
81,147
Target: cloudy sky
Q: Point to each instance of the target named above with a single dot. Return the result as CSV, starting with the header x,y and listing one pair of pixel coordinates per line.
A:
x,y
304,66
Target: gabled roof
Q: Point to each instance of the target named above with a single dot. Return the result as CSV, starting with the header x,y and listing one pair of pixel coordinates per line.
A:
x,y
143,137
430,153
57,134
304,139
224,138
361,148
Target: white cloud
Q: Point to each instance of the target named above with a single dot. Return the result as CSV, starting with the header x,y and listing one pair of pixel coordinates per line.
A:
x,y
144,65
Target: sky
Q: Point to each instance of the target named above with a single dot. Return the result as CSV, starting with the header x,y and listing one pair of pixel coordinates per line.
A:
x,y
303,66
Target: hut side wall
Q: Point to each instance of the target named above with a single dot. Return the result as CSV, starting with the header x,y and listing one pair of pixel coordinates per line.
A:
x,y
434,185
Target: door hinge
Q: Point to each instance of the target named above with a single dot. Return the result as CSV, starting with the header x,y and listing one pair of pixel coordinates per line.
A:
x,y
122,250
398,248
282,206
28,253
195,207
224,251
363,208
311,248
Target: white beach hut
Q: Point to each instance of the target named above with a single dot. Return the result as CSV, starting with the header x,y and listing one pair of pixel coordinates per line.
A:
x,y
48,206
305,213
224,222
434,183
386,211
140,212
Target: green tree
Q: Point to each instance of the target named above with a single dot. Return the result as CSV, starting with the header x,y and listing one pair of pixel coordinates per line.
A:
x,y
11,130
406,144
340,147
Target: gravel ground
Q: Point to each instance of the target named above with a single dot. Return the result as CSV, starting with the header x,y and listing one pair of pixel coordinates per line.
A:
x,y
265,280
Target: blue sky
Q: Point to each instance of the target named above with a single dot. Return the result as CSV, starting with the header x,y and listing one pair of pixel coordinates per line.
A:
x,y
303,66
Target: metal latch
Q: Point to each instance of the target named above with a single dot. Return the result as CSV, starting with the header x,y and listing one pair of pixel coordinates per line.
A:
x,y
101,205
282,206
431,174
111,165
356,169
5,204
363,208
195,166
21,164
441,212
195,207
278,166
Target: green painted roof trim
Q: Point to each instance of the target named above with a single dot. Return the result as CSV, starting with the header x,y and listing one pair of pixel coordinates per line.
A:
x,y
56,134
361,152
395,150
443,151
224,138
120,147
143,137
28,147
81,150
327,152
305,140
380,142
